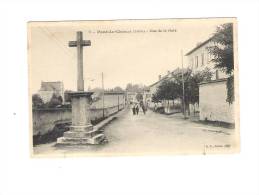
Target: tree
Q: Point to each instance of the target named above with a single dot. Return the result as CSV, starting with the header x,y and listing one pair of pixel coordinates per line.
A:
x,y
155,98
129,87
37,101
55,101
193,84
223,57
135,87
173,89
186,78
167,90
97,89
119,89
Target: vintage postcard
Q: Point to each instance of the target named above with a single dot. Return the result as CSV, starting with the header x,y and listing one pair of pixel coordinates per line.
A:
x,y
133,87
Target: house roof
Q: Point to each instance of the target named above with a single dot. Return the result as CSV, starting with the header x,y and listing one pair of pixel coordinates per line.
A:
x,y
175,71
199,46
51,86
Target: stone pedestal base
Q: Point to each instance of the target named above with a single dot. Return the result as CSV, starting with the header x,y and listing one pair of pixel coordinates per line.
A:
x,y
73,137
81,131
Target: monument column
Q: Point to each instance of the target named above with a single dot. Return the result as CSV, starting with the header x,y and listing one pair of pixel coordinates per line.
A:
x,y
81,131
80,69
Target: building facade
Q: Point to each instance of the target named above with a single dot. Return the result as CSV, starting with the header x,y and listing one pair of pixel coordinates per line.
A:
x,y
199,58
212,104
131,96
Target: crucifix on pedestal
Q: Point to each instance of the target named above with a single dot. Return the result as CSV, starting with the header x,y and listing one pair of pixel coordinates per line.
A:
x,y
81,131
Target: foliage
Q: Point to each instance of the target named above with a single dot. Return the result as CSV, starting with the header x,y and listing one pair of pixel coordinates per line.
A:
x,y
168,90
97,90
55,101
193,84
155,98
119,89
37,101
223,56
135,87
179,79
222,50
173,89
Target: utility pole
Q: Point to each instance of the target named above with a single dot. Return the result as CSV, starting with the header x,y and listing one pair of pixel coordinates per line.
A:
x,y
183,86
103,94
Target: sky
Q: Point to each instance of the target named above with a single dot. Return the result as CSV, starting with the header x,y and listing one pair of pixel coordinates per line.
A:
x,y
126,51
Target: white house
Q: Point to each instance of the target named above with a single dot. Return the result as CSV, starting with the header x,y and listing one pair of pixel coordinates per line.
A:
x,y
199,58
131,96
213,94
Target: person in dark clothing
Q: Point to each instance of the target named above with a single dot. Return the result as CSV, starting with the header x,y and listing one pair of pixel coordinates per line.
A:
x,y
133,109
143,108
137,109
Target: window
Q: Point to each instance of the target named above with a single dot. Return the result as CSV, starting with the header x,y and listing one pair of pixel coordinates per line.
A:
x,y
202,59
197,61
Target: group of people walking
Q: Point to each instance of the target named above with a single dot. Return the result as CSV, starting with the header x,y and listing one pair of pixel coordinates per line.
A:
x,y
136,108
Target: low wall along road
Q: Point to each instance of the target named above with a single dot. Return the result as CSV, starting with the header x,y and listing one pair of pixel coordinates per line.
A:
x,y
45,119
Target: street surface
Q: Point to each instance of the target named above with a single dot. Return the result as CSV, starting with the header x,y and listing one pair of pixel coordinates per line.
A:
x,y
153,133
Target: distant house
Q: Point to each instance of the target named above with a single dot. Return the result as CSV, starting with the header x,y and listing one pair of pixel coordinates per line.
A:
x,y
199,58
168,105
169,76
47,90
131,96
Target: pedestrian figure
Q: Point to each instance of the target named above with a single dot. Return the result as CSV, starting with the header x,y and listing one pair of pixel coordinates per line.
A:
x,y
133,109
137,109
143,108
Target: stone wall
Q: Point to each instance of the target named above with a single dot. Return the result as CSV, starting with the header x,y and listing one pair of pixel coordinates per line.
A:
x,y
110,99
44,120
213,105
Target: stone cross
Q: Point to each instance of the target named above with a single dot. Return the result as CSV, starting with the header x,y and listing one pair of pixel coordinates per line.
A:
x,y
79,43
81,131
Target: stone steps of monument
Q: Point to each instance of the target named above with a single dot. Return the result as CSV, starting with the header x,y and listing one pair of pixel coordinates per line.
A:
x,y
81,141
80,134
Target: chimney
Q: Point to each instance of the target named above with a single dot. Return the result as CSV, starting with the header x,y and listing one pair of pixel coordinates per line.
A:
x,y
168,72
159,77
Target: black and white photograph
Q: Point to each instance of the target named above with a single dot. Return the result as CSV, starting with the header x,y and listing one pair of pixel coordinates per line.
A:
x,y
133,87
129,97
